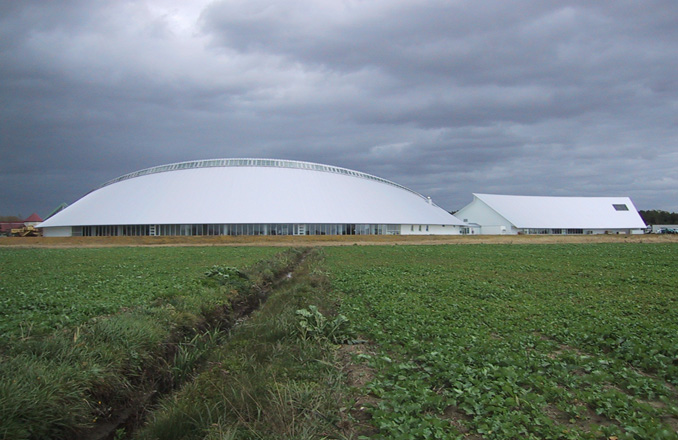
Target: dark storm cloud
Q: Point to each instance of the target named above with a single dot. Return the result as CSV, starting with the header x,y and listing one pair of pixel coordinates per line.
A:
x,y
446,97
456,63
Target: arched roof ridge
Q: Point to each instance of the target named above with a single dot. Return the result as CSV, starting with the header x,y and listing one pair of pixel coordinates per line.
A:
x,y
254,162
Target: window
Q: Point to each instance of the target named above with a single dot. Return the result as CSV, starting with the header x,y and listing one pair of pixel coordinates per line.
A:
x,y
620,207
393,229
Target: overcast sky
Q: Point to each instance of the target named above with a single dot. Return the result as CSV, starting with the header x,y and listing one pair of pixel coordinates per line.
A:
x,y
448,98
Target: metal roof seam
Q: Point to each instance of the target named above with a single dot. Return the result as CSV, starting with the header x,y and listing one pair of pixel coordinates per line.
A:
x,y
240,162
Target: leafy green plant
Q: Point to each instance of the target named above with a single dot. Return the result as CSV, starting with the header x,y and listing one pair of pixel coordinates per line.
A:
x,y
312,324
226,275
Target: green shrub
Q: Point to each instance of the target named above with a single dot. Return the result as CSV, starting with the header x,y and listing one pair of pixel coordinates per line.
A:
x,y
312,324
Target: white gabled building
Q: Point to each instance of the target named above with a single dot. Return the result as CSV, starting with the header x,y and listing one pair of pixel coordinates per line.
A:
x,y
493,214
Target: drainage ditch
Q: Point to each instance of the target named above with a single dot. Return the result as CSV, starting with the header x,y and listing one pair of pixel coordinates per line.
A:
x,y
121,421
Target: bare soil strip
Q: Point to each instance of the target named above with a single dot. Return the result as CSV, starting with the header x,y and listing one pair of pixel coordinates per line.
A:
x,y
327,240
358,374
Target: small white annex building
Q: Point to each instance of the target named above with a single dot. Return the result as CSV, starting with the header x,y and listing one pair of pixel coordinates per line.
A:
x,y
493,214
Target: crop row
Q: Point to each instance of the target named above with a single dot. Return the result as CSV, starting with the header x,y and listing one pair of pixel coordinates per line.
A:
x,y
46,289
567,341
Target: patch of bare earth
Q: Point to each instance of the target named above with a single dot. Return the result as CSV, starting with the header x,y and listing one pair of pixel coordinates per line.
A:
x,y
582,423
669,419
358,374
327,240
459,420
564,348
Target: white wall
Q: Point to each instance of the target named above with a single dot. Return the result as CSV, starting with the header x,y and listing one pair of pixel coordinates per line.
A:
x,y
65,231
432,230
57,231
491,222
592,231
497,230
613,231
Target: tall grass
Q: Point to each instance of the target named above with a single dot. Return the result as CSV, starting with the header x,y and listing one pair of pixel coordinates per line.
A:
x,y
58,385
51,387
266,382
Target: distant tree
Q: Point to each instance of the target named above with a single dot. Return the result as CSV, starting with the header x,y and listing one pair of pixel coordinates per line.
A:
x,y
10,218
658,217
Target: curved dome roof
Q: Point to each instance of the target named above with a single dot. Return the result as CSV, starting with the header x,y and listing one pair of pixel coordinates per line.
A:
x,y
250,191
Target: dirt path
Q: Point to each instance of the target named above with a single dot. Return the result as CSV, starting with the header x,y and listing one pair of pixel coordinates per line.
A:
x,y
324,240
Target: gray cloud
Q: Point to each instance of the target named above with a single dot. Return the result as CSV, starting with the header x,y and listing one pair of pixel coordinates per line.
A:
x,y
447,98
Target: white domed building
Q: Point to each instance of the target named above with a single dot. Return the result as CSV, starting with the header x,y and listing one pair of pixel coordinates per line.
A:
x,y
251,197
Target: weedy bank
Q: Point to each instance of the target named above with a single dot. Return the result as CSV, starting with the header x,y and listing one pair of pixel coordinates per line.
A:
x,y
508,342
78,381
277,377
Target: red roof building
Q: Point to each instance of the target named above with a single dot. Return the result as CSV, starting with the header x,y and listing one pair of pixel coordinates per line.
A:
x,y
33,220
6,227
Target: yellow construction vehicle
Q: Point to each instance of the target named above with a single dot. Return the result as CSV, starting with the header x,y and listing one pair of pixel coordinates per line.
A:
x,y
26,231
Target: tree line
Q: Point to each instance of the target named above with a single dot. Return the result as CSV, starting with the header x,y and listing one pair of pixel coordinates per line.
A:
x,y
658,217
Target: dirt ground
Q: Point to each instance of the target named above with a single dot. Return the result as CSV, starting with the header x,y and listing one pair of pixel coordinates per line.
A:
x,y
325,240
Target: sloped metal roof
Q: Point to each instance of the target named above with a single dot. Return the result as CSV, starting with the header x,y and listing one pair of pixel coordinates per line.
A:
x,y
565,212
250,191
33,218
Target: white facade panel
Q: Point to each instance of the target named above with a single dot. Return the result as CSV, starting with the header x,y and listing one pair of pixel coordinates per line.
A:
x,y
57,231
497,230
491,222
420,229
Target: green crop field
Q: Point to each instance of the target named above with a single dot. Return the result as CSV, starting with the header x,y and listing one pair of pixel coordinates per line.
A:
x,y
45,289
501,341
557,341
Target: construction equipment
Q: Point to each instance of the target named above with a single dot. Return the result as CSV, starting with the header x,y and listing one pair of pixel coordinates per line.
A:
x,y
26,231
